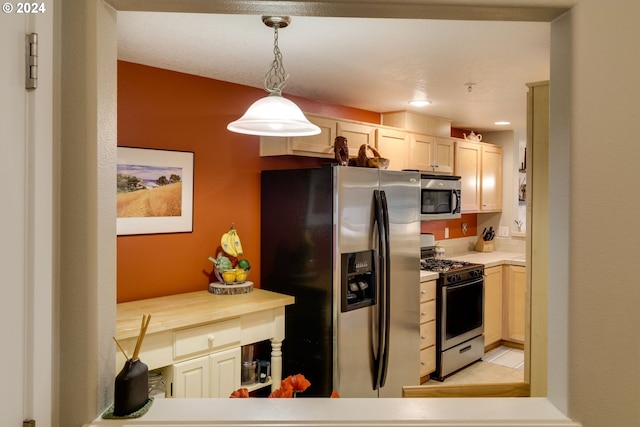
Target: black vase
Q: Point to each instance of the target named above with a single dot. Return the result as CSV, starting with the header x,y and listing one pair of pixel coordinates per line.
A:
x,y
131,389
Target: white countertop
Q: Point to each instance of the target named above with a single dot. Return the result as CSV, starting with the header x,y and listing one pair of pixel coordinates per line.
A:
x,y
472,412
488,259
491,259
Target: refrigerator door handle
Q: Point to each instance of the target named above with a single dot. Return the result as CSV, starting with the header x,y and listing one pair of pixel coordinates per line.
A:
x,y
378,357
387,288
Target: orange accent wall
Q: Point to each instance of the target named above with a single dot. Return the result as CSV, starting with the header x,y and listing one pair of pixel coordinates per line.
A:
x,y
167,110
455,227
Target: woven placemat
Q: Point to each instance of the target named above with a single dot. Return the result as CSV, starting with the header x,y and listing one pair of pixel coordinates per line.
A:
x,y
109,415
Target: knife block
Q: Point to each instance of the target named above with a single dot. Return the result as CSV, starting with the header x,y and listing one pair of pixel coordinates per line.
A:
x,y
484,246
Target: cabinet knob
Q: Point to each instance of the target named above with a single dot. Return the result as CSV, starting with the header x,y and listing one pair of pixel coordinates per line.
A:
x,y
211,338
423,337
422,363
423,314
423,292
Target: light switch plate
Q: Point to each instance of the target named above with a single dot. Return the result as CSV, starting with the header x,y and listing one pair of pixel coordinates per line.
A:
x,y
503,231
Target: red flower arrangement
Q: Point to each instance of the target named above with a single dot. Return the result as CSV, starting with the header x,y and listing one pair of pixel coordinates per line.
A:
x,y
289,387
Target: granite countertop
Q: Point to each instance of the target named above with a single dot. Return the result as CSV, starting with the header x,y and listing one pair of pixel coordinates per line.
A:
x,y
488,259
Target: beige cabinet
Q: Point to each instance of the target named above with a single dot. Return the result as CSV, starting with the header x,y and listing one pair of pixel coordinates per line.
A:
x,y
493,306
515,302
427,329
393,144
215,375
468,164
357,133
480,167
431,154
491,173
320,145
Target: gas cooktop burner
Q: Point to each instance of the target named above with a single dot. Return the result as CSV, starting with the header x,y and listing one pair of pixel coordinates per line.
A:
x,y
439,265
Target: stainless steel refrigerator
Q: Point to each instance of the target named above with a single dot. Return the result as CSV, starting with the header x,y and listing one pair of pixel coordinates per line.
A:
x,y
345,241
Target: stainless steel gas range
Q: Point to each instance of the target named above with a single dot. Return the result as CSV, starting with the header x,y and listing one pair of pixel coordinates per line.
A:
x,y
459,311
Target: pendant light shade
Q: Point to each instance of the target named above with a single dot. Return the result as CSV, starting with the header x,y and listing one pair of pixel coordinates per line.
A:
x,y
274,115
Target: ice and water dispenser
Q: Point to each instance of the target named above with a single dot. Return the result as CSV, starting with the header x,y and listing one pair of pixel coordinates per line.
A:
x,y
358,281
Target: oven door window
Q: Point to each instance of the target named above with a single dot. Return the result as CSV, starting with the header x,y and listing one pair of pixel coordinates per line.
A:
x,y
437,201
464,308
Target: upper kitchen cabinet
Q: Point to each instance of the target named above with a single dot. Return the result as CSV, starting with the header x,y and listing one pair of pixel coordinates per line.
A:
x,y
393,144
491,185
480,167
320,145
418,123
357,133
431,154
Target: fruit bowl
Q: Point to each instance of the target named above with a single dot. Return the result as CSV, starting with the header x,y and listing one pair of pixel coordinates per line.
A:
x,y
232,276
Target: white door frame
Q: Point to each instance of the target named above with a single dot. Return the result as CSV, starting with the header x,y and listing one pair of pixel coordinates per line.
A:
x,y
26,252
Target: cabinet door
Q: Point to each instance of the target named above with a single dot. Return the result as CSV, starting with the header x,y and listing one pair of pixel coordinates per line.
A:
x,y
516,297
492,305
421,153
356,134
467,161
191,378
443,155
320,145
491,185
225,372
393,145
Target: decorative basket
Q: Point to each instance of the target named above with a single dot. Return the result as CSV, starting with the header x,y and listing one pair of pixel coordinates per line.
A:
x,y
234,276
363,160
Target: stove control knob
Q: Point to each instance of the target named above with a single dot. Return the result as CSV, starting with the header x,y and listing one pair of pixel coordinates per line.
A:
x,y
475,273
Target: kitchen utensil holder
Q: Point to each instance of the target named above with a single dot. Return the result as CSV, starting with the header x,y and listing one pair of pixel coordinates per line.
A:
x,y
131,388
484,246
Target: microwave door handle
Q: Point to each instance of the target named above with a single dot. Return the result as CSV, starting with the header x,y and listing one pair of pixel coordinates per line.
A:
x,y
456,198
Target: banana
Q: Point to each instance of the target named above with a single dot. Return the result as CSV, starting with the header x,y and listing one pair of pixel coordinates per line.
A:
x,y
230,243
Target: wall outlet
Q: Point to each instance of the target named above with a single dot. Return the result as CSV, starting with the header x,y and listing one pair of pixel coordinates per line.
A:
x,y
503,231
446,232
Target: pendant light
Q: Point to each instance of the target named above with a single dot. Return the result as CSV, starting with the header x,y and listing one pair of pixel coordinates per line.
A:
x,y
274,115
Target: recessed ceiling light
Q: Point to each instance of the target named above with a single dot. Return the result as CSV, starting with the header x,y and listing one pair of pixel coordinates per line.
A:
x,y
502,123
420,102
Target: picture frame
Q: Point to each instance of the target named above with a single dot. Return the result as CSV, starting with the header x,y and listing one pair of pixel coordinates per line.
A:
x,y
154,191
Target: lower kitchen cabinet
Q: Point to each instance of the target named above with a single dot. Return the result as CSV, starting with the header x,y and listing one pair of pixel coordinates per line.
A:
x,y
215,375
515,302
493,306
427,329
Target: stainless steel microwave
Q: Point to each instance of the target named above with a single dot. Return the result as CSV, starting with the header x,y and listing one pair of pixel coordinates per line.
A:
x,y
439,197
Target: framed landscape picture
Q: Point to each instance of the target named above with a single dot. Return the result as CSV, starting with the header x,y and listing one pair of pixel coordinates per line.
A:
x,y
154,191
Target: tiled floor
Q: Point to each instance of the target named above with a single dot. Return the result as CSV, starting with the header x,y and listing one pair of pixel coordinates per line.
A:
x,y
502,364
506,356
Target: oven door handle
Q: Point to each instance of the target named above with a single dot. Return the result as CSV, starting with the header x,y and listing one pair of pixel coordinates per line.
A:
x,y
463,284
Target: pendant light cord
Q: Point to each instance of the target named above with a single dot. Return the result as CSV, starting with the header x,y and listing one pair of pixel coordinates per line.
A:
x,y
276,78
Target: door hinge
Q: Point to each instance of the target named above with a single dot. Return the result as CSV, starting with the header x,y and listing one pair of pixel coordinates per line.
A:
x,y
29,423
31,61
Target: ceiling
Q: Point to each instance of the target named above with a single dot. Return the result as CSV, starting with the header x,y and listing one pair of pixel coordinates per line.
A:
x,y
376,64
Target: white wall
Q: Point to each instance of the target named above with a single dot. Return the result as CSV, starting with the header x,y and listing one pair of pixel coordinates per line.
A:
x,y
604,194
